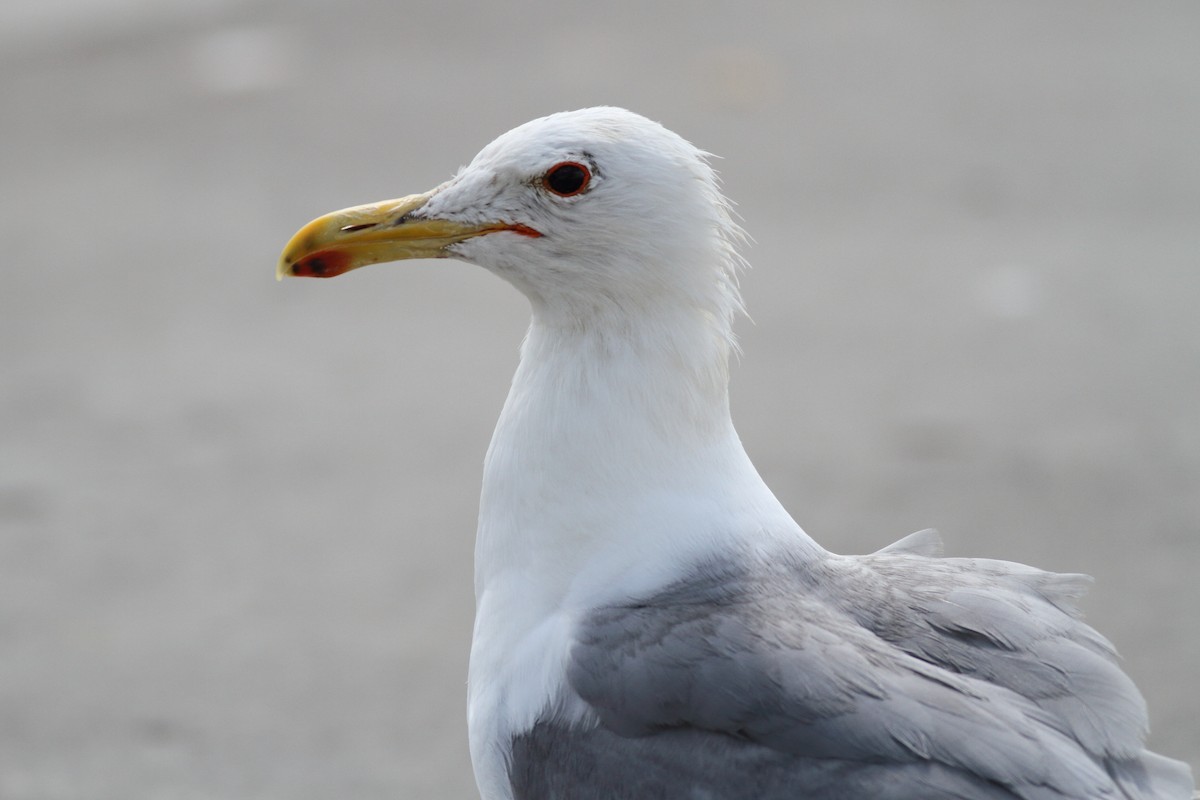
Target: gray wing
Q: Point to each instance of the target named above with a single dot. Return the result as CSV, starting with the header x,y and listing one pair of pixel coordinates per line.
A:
x,y
1017,627
554,761
754,675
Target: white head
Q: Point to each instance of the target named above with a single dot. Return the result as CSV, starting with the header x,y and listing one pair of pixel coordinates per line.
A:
x,y
600,216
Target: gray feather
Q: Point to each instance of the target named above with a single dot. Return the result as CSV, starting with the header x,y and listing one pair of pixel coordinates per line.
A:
x,y
559,762
932,677
925,542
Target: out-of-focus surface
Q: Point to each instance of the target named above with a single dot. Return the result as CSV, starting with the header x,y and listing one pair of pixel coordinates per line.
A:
x,y
236,516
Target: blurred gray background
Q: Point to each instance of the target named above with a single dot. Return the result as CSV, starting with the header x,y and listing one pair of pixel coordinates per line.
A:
x,y
236,516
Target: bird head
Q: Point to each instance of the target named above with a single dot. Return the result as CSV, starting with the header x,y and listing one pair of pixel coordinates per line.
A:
x,y
588,211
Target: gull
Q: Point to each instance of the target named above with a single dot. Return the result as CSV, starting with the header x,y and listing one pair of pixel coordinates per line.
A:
x,y
650,621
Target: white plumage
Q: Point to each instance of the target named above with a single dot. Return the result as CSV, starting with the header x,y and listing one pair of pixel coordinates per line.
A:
x,y
650,621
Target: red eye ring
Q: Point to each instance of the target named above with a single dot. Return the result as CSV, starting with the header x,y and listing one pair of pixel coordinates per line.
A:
x,y
567,179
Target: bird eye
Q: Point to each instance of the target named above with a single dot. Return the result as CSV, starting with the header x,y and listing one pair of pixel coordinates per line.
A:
x,y
567,179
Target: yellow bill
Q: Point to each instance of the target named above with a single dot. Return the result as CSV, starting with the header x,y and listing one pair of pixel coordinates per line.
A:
x,y
375,233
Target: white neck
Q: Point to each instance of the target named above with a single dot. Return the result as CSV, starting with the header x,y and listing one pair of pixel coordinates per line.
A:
x,y
615,455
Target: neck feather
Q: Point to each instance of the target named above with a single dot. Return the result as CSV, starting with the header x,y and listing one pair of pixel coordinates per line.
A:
x,y
614,453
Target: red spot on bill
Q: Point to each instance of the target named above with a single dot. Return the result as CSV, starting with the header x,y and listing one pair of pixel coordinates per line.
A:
x,y
322,264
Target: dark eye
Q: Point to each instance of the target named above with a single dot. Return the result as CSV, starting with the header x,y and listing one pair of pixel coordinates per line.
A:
x,y
567,179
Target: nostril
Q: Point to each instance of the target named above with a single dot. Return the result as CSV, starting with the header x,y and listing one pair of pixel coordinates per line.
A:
x,y
362,226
